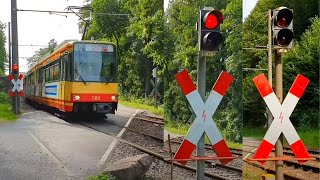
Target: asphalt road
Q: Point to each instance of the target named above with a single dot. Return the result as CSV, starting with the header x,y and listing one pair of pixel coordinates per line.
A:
x,y
42,146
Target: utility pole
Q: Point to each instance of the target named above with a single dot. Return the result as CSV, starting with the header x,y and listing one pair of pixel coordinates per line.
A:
x,y
282,27
9,48
15,53
279,143
201,84
270,118
209,38
10,61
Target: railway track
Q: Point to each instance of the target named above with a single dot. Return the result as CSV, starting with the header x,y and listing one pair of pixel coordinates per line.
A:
x,y
232,170
272,171
291,166
140,121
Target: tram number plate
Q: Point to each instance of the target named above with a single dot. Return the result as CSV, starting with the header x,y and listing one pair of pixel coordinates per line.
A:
x,y
95,98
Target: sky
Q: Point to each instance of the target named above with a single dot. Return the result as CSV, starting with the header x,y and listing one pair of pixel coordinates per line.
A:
x,y
247,6
39,28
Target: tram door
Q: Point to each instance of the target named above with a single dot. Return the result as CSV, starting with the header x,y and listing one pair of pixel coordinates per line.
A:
x,y
62,82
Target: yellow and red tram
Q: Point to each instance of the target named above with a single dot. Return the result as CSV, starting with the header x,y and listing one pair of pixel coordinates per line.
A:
x,y
77,77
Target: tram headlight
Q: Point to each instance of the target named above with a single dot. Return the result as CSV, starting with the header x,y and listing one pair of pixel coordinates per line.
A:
x,y
76,97
114,98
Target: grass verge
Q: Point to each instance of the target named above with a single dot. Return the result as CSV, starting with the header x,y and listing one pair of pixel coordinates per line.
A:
x,y
140,105
99,177
6,114
255,132
310,137
183,130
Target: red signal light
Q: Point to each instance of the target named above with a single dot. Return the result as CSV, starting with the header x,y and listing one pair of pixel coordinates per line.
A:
x,y
15,67
211,21
210,36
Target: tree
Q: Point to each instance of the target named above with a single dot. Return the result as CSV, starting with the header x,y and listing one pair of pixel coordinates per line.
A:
x,y
3,56
42,52
304,59
106,26
146,32
233,51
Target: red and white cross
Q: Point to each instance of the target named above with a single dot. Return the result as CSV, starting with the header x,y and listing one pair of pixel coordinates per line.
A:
x,y
281,113
16,85
204,111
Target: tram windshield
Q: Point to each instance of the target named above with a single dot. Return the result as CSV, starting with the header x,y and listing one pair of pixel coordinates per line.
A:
x,y
94,63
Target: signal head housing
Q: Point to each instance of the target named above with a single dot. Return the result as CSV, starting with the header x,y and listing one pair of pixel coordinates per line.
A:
x,y
282,28
209,34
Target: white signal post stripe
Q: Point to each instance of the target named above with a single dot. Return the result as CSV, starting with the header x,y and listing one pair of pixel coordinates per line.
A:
x,y
281,114
203,121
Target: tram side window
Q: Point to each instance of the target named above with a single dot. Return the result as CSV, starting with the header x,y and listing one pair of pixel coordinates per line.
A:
x,y
36,77
43,75
55,72
47,77
31,79
26,80
68,67
63,68
40,77
51,73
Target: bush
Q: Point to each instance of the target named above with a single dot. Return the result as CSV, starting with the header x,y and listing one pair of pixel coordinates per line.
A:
x,y
5,98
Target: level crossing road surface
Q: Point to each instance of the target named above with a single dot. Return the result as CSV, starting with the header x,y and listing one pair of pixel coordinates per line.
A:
x,y
249,147
42,146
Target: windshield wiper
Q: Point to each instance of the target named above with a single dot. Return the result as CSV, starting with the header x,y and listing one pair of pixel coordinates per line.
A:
x,y
76,70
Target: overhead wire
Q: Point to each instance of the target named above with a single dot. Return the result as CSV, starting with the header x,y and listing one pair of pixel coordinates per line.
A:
x,y
68,12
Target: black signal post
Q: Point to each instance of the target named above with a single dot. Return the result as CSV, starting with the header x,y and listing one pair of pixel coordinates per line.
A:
x,y
15,53
282,28
209,38
282,33
209,30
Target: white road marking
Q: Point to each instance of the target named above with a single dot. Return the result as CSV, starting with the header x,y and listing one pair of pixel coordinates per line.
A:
x,y
129,121
251,152
114,142
107,153
54,158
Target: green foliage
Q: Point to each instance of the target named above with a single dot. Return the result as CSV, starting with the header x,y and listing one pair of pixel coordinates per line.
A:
x,y
304,59
254,131
110,27
6,113
5,98
310,137
3,55
146,104
99,177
